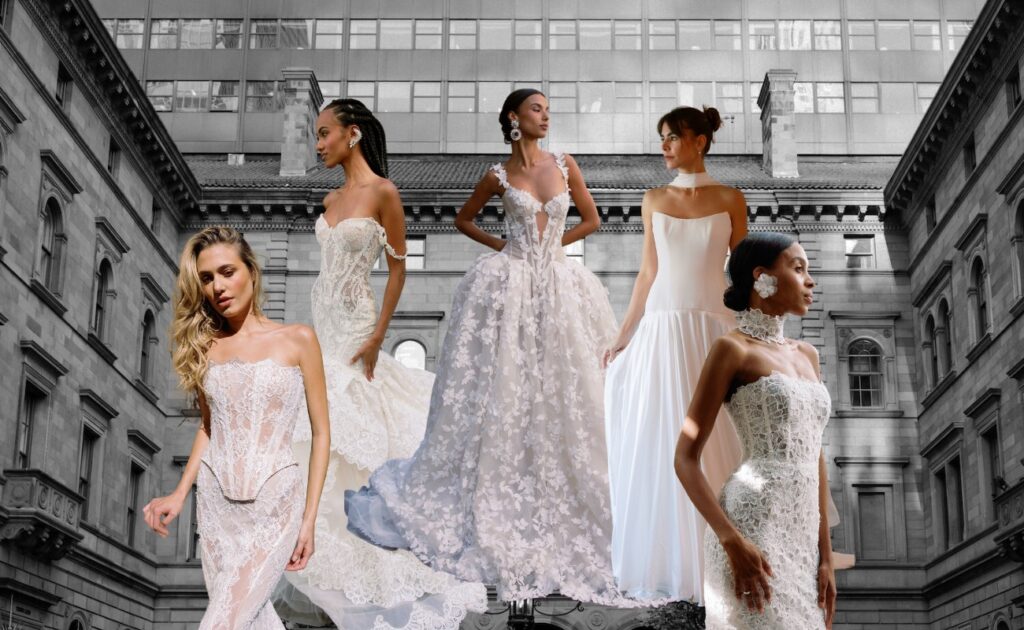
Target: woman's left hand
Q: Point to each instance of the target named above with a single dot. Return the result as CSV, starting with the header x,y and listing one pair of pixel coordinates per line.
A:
x,y
827,591
303,547
368,352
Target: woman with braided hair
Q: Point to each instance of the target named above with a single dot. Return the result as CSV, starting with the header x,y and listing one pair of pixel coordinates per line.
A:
x,y
377,406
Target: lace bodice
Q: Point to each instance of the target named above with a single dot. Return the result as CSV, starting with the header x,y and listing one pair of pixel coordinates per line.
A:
x,y
525,240
344,306
253,411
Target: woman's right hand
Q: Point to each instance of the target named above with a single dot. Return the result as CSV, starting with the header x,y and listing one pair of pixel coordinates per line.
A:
x,y
612,352
161,511
750,572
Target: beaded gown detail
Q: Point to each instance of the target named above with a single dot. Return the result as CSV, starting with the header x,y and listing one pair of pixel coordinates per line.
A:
x,y
249,494
358,585
773,500
510,485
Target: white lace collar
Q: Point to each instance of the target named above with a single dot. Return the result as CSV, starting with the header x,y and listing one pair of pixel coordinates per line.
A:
x,y
761,326
693,180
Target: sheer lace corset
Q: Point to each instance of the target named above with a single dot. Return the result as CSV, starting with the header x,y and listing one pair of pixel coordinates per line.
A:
x,y
525,240
344,305
253,411
780,419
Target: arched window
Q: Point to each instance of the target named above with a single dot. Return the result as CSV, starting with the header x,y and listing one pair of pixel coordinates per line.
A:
x,y
50,246
145,352
103,298
411,354
1002,625
865,373
944,340
77,624
931,353
979,296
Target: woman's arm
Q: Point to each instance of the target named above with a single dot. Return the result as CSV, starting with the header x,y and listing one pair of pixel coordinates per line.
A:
x,y
738,218
826,569
589,219
159,512
641,286
749,566
485,189
311,363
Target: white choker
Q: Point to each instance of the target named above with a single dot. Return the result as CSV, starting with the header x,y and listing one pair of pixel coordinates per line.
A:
x,y
758,325
693,180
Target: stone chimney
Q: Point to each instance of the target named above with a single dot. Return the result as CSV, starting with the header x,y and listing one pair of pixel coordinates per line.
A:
x,y
778,123
302,99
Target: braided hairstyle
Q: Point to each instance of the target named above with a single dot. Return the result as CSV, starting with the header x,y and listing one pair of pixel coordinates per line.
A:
x,y
512,103
701,122
349,112
758,249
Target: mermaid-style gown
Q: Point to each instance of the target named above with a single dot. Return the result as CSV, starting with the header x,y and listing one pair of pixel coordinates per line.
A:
x,y
358,585
250,495
773,500
510,485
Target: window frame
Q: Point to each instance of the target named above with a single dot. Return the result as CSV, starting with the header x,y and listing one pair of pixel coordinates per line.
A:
x,y
876,394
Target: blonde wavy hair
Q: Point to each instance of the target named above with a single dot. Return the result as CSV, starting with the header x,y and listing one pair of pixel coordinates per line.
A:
x,y
196,323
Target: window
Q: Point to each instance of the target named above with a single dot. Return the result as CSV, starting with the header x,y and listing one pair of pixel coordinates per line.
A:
x,y
864,98
85,467
260,96
5,6
926,35
803,97
562,97
411,354
33,409
330,90
628,35
462,97
102,300
134,485
1013,89
944,340
575,251
978,294
594,97
762,35
694,34
991,464
161,95
64,83
128,33
865,374
262,34
428,34
329,34
956,33
661,35
1017,242
76,625
794,34
629,98
728,35
860,252
830,98
148,341
862,34
970,159
562,35
755,92
664,97
396,34
872,526
155,214
228,35
595,35
393,96
528,34
893,35
898,98
925,94
51,246
224,96
426,96
949,504
415,252
196,34
163,34
695,94
729,97
297,34
491,95
931,352
495,34
827,35
461,34
929,214
113,157
192,96
363,91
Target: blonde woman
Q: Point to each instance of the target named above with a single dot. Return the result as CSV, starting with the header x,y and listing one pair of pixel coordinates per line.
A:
x,y
249,376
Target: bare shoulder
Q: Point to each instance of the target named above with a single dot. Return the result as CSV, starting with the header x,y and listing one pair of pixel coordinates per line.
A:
x,y
808,351
329,197
386,188
301,333
732,198
730,348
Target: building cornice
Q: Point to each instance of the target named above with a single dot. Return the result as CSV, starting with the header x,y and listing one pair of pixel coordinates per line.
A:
x,y
944,269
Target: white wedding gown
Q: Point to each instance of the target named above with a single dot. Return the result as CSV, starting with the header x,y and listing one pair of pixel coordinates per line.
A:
x,y
358,585
657,535
510,485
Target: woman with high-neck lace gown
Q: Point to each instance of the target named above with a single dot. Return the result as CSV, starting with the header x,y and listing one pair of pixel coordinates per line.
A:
x,y
674,315
378,407
510,485
250,377
768,555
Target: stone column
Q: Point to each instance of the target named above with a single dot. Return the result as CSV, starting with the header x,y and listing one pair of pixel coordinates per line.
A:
x,y
302,100
778,123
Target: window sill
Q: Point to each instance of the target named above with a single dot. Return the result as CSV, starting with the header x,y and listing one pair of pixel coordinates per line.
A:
x,y
102,349
979,347
939,388
853,412
48,297
1018,307
146,391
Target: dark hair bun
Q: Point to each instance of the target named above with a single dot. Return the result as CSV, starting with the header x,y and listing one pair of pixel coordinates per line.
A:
x,y
714,118
758,249
736,299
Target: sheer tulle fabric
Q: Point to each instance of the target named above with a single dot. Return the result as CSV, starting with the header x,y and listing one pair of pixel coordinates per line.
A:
x,y
357,585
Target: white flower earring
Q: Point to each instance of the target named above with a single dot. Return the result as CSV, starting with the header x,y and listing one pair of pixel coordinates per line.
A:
x,y
358,136
766,285
515,134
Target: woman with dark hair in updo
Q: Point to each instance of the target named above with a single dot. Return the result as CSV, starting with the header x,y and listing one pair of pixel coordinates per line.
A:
x,y
510,486
768,556
378,407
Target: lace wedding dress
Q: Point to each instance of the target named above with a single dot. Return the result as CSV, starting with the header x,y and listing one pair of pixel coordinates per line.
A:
x,y
773,497
657,534
358,585
249,495
510,485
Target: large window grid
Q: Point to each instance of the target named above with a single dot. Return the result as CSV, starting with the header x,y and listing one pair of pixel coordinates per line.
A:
x,y
495,34
462,34
429,34
193,96
865,374
127,33
262,97
529,35
956,33
297,34
396,34
262,34
562,35
163,34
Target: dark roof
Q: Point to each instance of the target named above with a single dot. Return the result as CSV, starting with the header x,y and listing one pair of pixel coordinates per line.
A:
x,y
602,172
